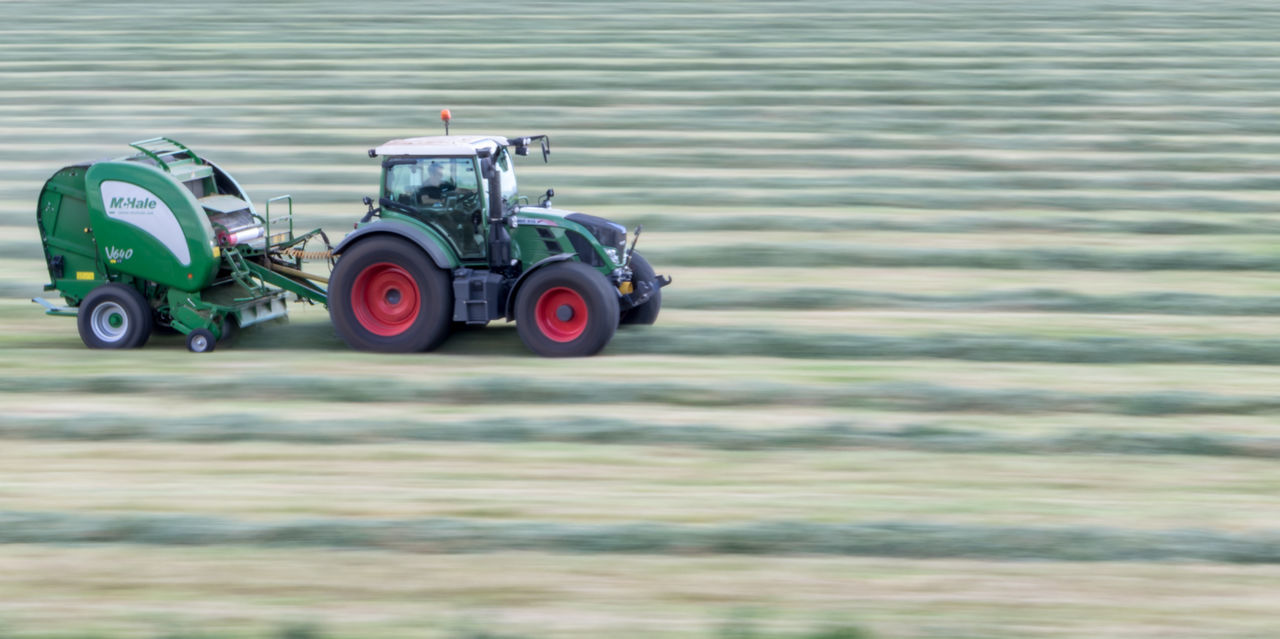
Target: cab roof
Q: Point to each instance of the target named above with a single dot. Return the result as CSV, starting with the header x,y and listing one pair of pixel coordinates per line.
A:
x,y
439,145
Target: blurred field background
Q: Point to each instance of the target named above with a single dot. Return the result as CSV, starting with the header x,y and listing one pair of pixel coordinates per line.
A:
x,y
972,332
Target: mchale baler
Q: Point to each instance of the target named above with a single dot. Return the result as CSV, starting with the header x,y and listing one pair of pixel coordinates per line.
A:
x,y
165,238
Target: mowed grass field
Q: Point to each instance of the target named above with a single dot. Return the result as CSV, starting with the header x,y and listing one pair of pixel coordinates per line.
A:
x,y
972,330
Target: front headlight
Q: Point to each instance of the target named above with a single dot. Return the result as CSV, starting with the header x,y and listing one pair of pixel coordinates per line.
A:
x,y
613,254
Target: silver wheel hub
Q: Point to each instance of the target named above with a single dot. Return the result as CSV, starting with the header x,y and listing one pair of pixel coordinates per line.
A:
x,y
109,322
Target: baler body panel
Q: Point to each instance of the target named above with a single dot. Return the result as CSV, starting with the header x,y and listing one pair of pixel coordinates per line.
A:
x,y
148,224
63,218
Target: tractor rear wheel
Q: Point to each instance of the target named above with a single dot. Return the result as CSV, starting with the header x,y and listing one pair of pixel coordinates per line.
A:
x,y
567,309
114,316
646,313
386,295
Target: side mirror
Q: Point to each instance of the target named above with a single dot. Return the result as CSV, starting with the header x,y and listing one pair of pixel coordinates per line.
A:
x,y
486,168
546,149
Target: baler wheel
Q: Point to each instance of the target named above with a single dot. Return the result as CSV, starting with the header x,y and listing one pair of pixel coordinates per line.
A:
x,y
567,309
201,341
114,316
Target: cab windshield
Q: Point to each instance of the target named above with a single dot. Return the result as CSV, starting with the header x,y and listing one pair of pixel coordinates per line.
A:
x,y
445,194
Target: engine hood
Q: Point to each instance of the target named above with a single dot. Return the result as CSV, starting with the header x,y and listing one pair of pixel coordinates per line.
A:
x,y
607,232
545,212
533,214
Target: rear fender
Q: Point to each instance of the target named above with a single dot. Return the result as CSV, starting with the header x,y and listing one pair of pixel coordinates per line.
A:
x,y
433,245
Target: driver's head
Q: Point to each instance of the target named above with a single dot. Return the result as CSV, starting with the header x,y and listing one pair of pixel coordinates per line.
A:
x,y
435,171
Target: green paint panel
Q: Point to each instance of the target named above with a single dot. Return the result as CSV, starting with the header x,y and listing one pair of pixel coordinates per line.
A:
x,y
149,225
63,219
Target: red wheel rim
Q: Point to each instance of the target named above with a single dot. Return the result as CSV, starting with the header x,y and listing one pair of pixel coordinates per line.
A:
x,y
385,299
561,314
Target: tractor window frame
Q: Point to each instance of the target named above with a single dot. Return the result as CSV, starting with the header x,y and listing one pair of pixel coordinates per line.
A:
x,y
506,167
477,186
445,222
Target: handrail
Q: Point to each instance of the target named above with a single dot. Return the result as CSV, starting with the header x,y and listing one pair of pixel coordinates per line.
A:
x,y
165,153
268,220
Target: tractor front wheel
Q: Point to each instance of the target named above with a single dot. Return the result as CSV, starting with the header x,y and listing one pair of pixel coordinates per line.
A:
x,y
646,313
566,309
386,295
114,316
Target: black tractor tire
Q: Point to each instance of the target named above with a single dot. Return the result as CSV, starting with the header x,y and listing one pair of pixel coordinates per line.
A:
x,y
386,295
566,309
646,313
114,316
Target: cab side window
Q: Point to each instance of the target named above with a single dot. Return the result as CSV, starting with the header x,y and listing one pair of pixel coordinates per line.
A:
x,y
443,192
402,181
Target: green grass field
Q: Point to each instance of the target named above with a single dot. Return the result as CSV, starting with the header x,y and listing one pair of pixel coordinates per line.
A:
x,y
972,332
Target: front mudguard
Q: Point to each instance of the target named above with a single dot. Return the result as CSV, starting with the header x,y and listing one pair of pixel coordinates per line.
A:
x,y
510,308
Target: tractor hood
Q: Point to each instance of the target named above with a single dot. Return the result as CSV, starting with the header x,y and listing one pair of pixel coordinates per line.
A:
x,y
542,212
607,232
611,236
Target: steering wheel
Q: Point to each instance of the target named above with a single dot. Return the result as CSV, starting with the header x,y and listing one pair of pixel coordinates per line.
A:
x,y
465,199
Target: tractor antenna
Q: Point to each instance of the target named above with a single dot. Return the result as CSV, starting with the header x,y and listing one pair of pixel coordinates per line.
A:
x,y
445,116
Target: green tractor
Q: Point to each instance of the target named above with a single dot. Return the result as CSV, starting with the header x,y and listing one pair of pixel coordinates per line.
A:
x,y
454,243
166,239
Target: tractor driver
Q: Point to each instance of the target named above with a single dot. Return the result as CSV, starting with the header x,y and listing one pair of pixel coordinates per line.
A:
x,y
436,187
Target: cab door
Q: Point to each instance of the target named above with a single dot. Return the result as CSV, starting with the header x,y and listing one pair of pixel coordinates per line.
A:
x,y
443,193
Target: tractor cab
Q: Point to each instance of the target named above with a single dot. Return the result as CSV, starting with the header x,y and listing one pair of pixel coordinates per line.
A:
x,y
439,181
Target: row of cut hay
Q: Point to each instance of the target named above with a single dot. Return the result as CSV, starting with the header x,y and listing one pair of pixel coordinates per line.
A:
x,y
736,341
886,539
813,255
892,396
219,428
1038,300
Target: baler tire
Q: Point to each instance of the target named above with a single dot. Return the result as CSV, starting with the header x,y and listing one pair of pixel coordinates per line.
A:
x,y
566,309
94,319
201,341
646,313
394,321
